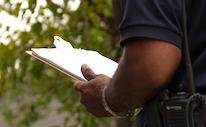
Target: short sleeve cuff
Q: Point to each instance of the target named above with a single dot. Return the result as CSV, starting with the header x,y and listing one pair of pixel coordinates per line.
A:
x,y
150,32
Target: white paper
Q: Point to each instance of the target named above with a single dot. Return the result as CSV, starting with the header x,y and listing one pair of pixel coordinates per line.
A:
x,y
71,59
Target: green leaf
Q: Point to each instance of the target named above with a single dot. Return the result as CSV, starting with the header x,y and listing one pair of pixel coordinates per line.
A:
x,y
32,5
17,9
36,28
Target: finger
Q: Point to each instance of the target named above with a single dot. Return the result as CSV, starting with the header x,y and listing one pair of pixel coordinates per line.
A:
x,y
79,85
87,72
83,100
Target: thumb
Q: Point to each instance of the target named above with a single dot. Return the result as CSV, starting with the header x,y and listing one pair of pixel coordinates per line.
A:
x,y
87,72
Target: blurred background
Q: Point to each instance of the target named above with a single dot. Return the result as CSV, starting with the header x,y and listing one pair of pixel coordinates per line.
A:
x,y
33,94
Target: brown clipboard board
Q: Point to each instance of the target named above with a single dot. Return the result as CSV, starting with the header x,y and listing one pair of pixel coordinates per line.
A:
x,y
53,65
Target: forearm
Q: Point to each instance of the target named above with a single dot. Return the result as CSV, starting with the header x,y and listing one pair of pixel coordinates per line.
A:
x,y
129,89
142,72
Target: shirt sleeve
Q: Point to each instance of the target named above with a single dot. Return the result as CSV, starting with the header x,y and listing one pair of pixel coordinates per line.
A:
x,y
157,19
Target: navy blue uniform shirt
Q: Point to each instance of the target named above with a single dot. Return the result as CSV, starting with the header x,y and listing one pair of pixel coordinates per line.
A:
x,y
162,19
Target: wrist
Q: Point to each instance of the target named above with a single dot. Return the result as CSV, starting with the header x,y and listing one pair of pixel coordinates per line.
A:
x,y
117,114
107,106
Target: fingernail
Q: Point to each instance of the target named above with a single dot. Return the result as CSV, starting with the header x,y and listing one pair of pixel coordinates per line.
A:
x,y
85,66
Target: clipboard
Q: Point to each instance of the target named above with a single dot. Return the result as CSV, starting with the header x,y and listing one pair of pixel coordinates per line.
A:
x,y
68,60
53,65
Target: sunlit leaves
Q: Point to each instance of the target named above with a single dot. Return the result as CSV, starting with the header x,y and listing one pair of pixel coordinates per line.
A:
x,y
33,85
32,5
16,10
36,28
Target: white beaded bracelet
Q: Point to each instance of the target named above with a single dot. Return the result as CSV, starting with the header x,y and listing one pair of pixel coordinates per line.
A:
x,y
108,109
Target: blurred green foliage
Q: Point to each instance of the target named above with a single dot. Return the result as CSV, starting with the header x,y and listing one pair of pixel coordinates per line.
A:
x,y
30,86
